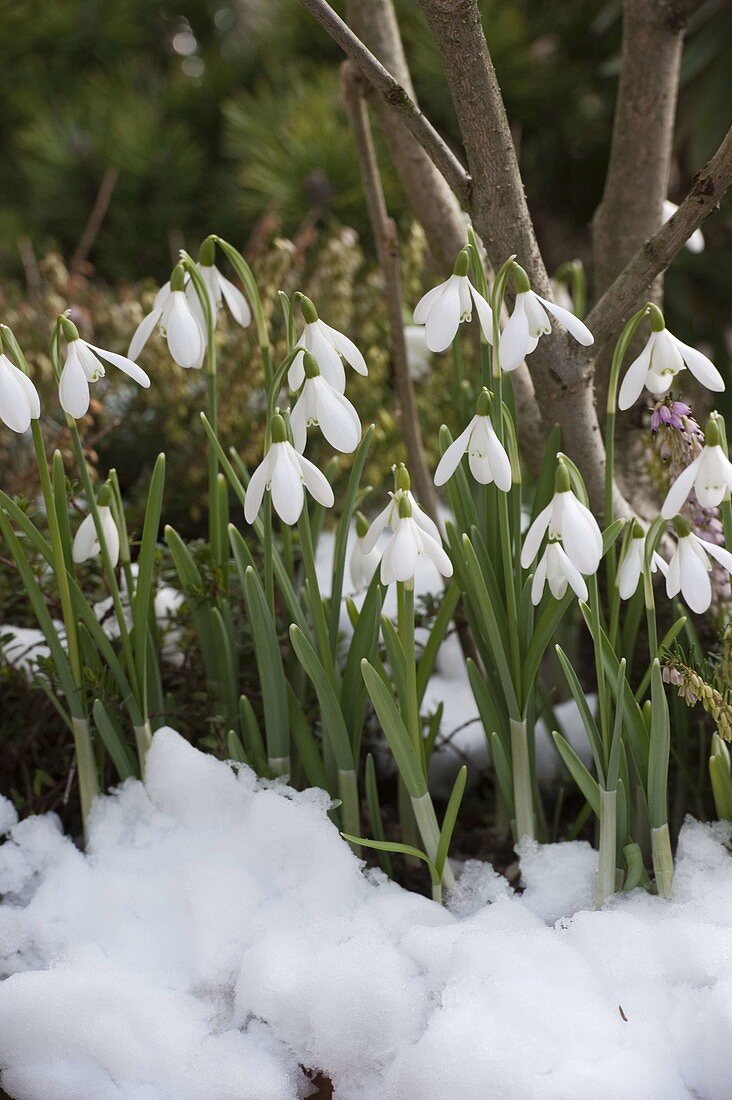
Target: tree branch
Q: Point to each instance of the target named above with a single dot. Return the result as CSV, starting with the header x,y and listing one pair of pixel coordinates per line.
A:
x,y
395,95
387,246
655,255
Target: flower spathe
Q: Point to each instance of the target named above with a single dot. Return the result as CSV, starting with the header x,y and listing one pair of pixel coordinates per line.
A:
x,y
443,309
19,401
487,457
179,321
83,366
286,474
689,568
709,476
328,347
86,544
566,518
319,404
556,569
529,321
663,357
407,544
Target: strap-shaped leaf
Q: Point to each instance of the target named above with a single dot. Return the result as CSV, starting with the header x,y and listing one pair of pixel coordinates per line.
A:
x,y
399,849
113,742
407,760
331,715
344,523
450,819
269,664
504,772
364,642
396,658
659,751
374,805
588,719
426,665
145,569
308,750
252,735
586,782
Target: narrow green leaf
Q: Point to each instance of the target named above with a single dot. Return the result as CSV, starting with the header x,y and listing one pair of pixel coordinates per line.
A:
x,y
334,726
113,742
307,747
503,770
395,846
395,732
444,616
344,524
372,801
145,570
450,819
586,782
269,664
588,719
658,752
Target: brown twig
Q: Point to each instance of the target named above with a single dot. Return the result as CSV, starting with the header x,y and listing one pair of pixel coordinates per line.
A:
x,y
395,95
387,246
94,222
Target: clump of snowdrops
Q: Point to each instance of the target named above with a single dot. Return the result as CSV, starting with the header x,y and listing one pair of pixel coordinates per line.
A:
x,y
517,563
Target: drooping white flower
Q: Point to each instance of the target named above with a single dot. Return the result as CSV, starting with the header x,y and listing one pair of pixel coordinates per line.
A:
x,y
556,568
390,514
362,564
689,568
487,457
407,544
529,321
329,348
179,321
709,475
633,562
284,472
86,544
321,405
83,365
662,358
220,289
695,242
442,309
566,518
19,401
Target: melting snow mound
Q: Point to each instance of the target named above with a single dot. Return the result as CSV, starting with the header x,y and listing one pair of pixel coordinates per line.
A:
x,y
218,938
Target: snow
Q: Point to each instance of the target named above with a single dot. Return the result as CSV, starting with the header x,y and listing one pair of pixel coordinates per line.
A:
x,y
218,935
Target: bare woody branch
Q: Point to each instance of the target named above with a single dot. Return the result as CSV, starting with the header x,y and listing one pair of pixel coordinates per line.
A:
x,y
655,255
387,245
395,95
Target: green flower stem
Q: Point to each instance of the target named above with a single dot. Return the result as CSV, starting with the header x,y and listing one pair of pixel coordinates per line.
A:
x,y
663,860
143,741
316,604
86,766
648,596
602,694
106,561
268,555
405,623
350,806
606,872
522,782
429,830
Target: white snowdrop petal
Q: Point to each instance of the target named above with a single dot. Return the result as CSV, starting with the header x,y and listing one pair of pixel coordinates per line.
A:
x,y
696,588
256,487
499,460
630,569
635,377
111,534
235,300
15,410
287,490
316,482
573,325
437,555
337,417
679,491
535,534
536,315
405,550
422,520
673,575
73,387
376,528
345,347
515,338
185,339
450,461
137,374
572,573
485,314
444,318
538,582
93,366
30,391
657,562
85,543
700,366
719,553
143,332
298,422
296,373
326,356
426,302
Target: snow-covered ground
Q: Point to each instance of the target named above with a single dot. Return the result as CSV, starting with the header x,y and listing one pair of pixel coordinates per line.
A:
x,y
218,935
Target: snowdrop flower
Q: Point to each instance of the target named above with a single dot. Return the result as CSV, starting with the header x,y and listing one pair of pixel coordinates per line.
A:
x,y
709,475
389,516
556,569
633,562
689,568
695,242
487,458
663,357
408,543
566,518
328,346
363,564
442,309
178,321
284,472
83,365
321,405
86,544
220,289
19,401
529,321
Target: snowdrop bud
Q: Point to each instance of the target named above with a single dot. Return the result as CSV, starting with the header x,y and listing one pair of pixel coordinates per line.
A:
x,y
631,566
86,544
